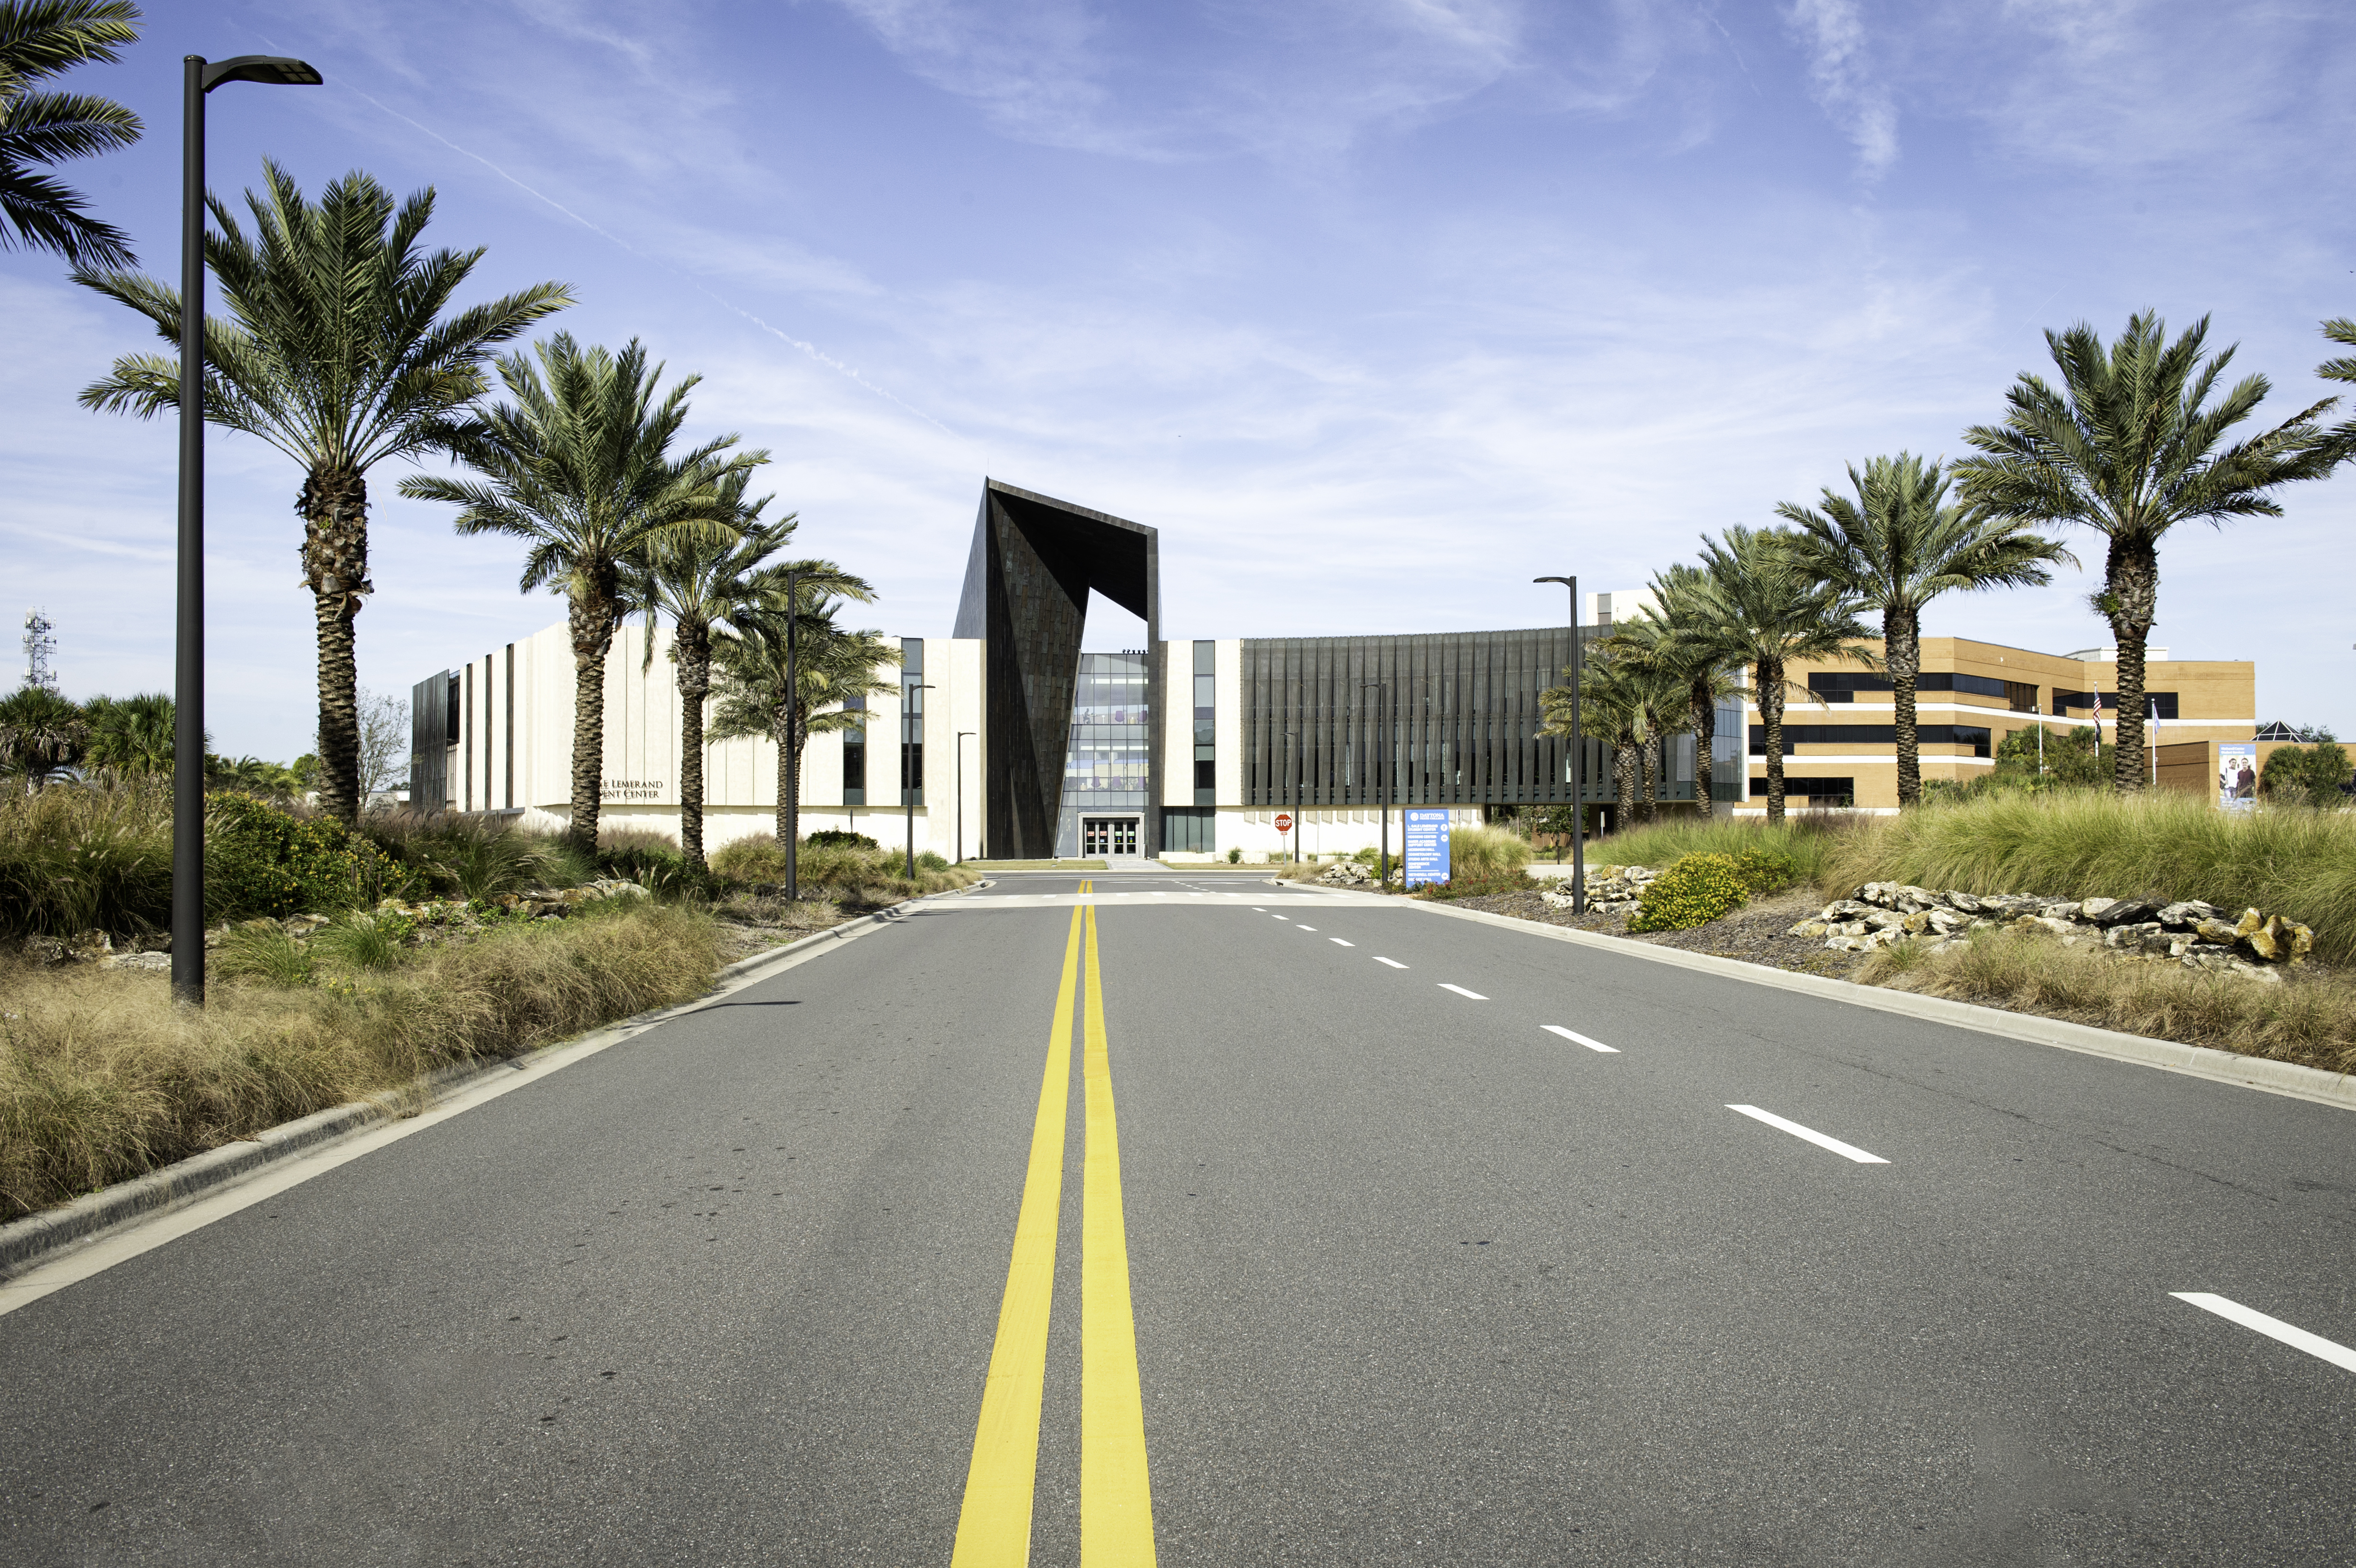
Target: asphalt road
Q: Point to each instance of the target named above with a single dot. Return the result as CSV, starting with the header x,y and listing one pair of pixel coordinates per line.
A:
x,y
1413,1279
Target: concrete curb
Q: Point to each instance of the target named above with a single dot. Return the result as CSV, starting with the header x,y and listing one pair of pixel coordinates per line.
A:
x,y
40,1238
2286,1078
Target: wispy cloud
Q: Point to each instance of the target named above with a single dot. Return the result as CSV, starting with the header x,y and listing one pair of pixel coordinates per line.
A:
x,y
1842,82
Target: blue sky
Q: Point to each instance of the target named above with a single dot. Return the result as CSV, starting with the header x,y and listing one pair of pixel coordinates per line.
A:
x,y
1376,310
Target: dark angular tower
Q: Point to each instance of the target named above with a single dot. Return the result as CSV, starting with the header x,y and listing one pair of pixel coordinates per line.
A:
x,y
1034,559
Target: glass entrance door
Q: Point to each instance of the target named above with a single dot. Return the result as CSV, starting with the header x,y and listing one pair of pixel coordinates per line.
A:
x,y
1108,836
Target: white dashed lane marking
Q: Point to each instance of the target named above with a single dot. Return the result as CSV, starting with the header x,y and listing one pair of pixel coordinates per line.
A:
x,y
1460,990
2315,1345
1577,1038
1339,943
1392,962
1846,1151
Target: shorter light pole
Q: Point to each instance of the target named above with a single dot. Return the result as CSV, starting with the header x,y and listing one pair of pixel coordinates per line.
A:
x,y
1383,703
1294,792
1579,755
2038,713
961,795
912,731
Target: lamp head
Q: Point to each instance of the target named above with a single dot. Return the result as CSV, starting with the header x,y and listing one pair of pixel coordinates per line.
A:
x,y
273,71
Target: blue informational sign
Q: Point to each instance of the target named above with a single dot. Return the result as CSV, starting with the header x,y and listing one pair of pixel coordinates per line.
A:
x,y
1427,847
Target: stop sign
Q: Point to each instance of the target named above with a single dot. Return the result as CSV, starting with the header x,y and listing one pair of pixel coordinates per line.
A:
x,y
1284,822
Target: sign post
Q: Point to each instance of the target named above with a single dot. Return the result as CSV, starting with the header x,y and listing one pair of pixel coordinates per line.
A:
x,y
1426,846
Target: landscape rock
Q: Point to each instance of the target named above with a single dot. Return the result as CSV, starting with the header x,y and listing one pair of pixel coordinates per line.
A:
x,y
2184,914
2094,909
2127,911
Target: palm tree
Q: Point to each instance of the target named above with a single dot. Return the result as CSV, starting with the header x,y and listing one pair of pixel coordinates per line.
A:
x,y
704,581
580,464
131,734
709,587
1769,609
1613,711
2128,445
336,351
833,667
1676,638
41,38
41,734
2340,329
1898,546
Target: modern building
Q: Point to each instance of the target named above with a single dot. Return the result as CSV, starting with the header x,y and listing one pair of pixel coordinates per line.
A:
x,y
1014,743
1841,740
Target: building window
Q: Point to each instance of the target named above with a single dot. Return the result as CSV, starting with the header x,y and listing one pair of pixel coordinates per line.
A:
x,y
1189,829
2021,695
1818,791
912,721
2064,701
854,756
1207,730
1975,736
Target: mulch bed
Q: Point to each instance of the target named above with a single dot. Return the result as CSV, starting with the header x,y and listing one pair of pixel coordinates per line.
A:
x,y
1753,933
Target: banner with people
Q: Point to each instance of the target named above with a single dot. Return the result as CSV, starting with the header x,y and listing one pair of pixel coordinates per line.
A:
x,y
2237,775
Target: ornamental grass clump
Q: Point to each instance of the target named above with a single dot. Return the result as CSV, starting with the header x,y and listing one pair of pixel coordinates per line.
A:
x,y
1805,840
1696,890
2308,1015
104,1077
2163,844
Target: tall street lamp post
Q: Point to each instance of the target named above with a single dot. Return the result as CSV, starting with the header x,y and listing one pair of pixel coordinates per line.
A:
x,y
912,734
1383,704
1579,755
793,723
198,79
961,793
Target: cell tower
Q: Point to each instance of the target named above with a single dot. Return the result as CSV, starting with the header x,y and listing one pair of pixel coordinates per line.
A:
x,y
38,646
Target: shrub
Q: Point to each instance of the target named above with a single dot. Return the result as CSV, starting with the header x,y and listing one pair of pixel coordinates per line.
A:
x,y
89,855
1236,856
931,860
841,838
363,941
1486,854
102,1077
260,860
2306,776
260,950
1766,868
1693,891
1805,840
469,857
757,859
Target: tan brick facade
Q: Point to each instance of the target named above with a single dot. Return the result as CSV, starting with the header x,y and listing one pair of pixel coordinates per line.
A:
x,y
1971,696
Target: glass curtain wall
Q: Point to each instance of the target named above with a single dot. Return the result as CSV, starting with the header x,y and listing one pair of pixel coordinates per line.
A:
x,y
1106,771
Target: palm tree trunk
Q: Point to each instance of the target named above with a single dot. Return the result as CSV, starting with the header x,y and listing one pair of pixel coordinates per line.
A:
x,y
693,647
591,614
792,729
1651,754
334,504
1624,785
2132,602
1901,646
1771,718
1705,727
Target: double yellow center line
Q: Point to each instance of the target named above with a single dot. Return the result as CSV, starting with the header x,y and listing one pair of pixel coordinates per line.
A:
x,y
1115,1497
